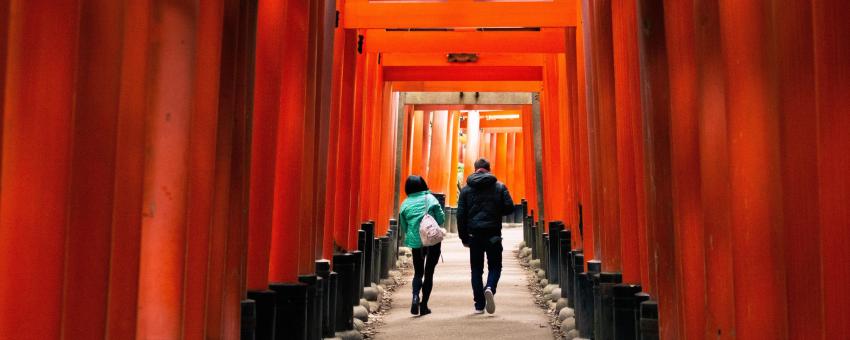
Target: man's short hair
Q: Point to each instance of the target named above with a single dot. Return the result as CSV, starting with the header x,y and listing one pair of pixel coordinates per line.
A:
x,y
482,163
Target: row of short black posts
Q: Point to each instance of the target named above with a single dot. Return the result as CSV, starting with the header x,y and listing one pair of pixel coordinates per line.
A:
x,y
321,304
605,307
303,310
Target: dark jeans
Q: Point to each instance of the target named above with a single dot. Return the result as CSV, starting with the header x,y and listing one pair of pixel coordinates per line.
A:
x,y
424,262
478,246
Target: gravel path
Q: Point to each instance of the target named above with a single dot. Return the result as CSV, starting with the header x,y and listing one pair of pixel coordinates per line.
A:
x,y
516,317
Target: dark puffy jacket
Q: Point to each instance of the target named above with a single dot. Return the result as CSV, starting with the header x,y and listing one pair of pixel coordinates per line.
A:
x,y
481,205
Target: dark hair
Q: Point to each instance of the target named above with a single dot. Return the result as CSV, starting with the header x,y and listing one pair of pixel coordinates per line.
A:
x,y
482,163
415,184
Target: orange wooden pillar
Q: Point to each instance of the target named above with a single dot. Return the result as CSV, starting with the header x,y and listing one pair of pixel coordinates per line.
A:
x,y
407,151
602,134
370,159
389,123
510,162
129,168
343,229
483,146
201,186
437,152
575,120
629,160
267,90
578,77
519,167
796,80
230,217
754,172
92,172
714,183
453,161
473,141
331,234
417,164
354,215
502,155
566,108
316,123
163,245
684,136
42,40
529,163
831,53
286,245
656,112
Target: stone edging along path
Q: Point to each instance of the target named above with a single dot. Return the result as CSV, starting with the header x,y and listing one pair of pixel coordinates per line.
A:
x,y
547,296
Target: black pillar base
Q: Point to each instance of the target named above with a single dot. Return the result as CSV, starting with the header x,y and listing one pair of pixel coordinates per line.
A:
x,y
376,260
314,309
544,256
359,272
386,257
649,320
625,311
291,316
346,283
323,270
585,312
367,249
564,240
554,262
533,244
264,301
249,320
578,268
603,308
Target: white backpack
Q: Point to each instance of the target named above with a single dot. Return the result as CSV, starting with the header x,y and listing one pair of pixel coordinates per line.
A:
x,y
430,231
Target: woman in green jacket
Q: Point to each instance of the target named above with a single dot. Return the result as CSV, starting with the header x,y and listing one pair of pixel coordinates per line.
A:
x,y
419,201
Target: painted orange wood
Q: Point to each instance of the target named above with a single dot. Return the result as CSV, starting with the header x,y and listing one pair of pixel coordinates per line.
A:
x,y
92,170
287,239
462,13
42,49
267,86
467,86
714,158
546,40
799,157
684,136
754,172
462,73
831,53
627,102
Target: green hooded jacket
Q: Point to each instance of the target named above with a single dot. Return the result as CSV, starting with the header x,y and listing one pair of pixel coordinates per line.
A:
x,y
411,213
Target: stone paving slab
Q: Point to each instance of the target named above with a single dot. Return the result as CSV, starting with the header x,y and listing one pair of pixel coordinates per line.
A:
x,y
452,308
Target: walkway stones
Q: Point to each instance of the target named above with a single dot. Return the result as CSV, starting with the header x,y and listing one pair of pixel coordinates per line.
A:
x,y
568,324
361,313
560,304
371,293
566,313
451,302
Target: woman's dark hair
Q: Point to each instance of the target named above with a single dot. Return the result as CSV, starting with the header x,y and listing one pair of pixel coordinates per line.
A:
x,y
414,184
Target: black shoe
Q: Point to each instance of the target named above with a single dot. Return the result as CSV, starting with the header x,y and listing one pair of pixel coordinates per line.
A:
x,y
414,306
423,309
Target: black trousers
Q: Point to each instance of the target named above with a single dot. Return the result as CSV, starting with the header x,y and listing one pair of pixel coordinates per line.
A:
x,y
424,262
479,246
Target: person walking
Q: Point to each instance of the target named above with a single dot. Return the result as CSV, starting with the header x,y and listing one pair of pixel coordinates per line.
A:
x,y
480,207
419,202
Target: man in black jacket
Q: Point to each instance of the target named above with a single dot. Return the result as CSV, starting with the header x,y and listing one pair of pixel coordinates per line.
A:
x,y
480,208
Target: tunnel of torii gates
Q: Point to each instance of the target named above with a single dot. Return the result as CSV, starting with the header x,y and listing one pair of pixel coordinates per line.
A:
x,y
165,160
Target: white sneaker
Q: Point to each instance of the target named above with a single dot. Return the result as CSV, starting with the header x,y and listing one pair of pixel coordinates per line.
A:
x,y
479,311
491,305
